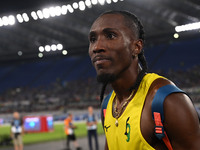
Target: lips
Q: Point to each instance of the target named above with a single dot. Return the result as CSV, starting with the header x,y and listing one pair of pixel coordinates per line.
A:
x,y
100,59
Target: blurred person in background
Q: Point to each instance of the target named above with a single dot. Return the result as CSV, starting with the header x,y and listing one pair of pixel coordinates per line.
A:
x,y
17,131
129,119
69,131
92,128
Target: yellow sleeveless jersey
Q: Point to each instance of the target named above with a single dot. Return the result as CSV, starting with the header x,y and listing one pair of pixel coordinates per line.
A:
x,y
128,136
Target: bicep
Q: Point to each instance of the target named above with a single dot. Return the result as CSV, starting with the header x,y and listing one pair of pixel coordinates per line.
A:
x,y
181,122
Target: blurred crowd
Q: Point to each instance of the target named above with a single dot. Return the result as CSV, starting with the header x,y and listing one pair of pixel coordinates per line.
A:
x,y
79,94
60,95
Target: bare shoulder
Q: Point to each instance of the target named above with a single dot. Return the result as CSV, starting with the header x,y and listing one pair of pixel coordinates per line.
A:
x,y
181,120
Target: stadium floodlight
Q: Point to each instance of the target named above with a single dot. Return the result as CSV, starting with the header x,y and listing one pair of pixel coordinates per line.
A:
x,y
69,7
108,1
25,17
41,49
58,10
94,2
53,47
40,14
11,20
102,2
81,5
19,18
88,3
34,15
40,55
20,53
47,48
64,10
64,52
176,35
46,13
115,1
59,46
5,20
188,27
75,5
52,11
1,22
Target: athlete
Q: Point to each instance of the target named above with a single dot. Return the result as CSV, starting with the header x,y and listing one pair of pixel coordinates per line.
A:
x,y
116,50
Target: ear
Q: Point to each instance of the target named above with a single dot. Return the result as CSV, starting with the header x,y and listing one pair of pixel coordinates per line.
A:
x,y
136,47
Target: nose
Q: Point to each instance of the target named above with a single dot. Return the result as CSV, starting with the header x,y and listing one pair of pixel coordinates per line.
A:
x,y
98,46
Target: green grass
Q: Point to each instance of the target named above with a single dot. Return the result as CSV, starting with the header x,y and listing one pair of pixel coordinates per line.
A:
x,y
57,134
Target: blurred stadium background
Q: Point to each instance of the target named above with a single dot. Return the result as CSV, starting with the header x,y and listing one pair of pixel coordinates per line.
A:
x,y
44,64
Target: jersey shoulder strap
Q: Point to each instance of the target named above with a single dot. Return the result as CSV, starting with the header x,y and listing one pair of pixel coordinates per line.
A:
x,y
158,111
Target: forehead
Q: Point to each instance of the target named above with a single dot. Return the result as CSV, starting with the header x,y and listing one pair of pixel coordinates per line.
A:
x,y
115,21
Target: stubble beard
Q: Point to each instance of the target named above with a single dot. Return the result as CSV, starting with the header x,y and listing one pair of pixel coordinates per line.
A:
x,y
106,78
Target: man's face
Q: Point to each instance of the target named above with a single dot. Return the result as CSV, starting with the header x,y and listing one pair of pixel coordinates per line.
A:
x,y
111,45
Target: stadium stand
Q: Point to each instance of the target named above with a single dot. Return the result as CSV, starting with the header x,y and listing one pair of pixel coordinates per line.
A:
x,y
70,82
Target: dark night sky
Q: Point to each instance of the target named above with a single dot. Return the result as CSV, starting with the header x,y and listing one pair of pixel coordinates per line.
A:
x,y
8,7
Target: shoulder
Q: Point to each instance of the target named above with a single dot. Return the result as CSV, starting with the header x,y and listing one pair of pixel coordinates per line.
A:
x,y
181,120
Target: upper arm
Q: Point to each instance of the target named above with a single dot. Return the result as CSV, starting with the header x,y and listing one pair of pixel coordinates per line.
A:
x,y
181,122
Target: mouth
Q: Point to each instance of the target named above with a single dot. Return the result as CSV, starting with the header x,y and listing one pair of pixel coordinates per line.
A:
x,y
97,60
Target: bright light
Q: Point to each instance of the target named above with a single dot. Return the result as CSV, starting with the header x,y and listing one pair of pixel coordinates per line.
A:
x,y
59,46
47,48
187,27
75,5
53,47
41,49
81,5
115,1
64,10
71,10
64,52
94,2
58,10
52,11
19,18
19,53
40,55
5,20
88,3
46,13
102,2
109,1
25,16
34,15
1,22
11,19
176,35
40,15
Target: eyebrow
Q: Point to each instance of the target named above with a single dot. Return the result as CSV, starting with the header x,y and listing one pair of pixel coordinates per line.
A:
x,y
104,30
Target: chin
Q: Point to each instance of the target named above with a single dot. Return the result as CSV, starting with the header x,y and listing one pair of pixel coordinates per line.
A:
x,y
106,77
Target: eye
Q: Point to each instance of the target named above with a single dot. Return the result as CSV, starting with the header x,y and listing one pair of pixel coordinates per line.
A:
x,y
92,39
110,35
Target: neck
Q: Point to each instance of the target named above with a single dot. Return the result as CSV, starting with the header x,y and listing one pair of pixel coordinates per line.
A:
x,y
123,85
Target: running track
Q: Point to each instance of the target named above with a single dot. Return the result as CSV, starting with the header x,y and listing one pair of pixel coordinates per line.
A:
x,y
61,145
